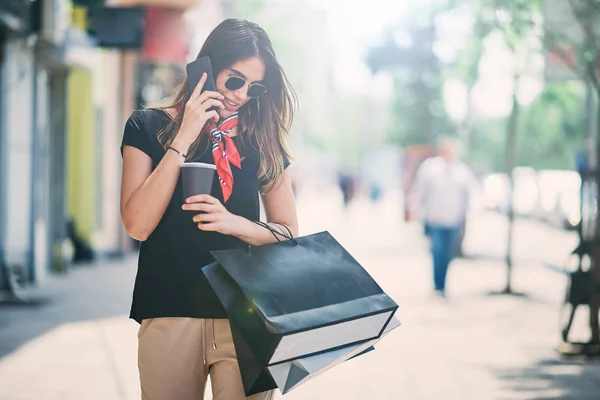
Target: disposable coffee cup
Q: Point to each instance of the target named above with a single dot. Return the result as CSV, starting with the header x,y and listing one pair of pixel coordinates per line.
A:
x,y
197,178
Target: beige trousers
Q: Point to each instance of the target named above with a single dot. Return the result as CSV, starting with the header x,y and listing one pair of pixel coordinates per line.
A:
x,y
176,355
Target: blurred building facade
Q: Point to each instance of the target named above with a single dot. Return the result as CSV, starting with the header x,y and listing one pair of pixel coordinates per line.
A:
x,y
69,79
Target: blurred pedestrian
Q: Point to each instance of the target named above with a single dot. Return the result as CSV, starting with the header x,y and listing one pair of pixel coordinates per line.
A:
x,y
347,185
441,196
375,192
184,333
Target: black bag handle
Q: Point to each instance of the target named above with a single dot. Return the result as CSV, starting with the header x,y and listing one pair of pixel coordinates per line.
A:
x,y
287,235
270,229
275,232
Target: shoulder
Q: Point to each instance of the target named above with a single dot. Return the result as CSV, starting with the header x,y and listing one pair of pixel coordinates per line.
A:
x,y
149,122
141,130
465,172
433,160
136,120
428,164
141,118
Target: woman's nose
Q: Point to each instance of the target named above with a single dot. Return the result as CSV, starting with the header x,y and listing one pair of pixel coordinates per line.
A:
x,y
241,94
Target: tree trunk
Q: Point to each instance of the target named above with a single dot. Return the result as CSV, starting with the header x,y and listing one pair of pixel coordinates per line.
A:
x,y
511,156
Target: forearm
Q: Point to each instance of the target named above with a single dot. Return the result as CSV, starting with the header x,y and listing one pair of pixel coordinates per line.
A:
x,y
146,206
256,235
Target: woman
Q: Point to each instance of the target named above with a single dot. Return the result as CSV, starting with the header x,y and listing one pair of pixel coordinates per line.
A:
x,y
184,334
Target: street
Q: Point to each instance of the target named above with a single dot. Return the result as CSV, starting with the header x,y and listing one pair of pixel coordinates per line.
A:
x,y
79,344
464,107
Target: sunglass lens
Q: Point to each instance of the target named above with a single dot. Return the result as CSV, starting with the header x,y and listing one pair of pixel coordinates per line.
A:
x,y
256,90
234,83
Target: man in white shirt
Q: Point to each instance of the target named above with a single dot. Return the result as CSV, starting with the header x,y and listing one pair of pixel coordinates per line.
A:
x,y
441,198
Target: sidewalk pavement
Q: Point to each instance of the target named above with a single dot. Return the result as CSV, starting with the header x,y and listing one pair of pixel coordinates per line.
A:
x,y
80,345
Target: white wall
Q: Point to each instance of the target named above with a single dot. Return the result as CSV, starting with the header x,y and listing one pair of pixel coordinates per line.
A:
x,y
18,90
107,93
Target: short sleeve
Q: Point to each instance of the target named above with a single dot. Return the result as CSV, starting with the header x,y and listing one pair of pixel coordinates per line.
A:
x,y
286,163
135,135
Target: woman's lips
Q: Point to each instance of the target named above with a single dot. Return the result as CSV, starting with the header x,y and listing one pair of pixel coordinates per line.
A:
x,y
230,103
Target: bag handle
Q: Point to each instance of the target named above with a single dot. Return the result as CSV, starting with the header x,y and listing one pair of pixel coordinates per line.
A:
x,y
275,232
289,236
270,229
286,235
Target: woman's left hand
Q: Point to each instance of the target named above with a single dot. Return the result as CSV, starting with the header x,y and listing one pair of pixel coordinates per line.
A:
x,y
216,218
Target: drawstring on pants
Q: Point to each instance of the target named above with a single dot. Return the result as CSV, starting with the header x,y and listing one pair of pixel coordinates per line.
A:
x,y
204,341
204,334
214,341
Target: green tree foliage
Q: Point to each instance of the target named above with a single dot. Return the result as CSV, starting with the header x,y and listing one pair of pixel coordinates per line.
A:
x,y
553,128
466,69
407,53
583,40
552,131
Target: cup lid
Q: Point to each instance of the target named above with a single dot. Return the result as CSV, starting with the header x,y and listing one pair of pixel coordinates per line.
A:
x,y
199,165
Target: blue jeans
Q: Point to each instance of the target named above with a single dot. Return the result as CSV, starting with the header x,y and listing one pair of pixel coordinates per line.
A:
x,y
443,250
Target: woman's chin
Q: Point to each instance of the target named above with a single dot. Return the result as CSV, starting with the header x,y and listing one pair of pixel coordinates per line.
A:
x,y
226,112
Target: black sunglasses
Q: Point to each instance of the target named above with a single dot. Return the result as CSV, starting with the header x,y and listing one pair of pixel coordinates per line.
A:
x,y
254,90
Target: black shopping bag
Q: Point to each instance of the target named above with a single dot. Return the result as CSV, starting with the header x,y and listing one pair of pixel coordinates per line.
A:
x,y
289,375
300,297
286,376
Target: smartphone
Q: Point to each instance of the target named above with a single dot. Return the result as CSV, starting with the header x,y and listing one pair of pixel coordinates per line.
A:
x,y
195,69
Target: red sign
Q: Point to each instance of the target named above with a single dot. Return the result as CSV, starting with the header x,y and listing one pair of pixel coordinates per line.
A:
x,y
166,35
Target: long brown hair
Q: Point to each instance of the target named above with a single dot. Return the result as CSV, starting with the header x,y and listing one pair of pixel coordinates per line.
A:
x,y
267,120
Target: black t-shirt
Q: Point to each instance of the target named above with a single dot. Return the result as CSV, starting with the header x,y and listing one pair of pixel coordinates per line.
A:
x,y
169,281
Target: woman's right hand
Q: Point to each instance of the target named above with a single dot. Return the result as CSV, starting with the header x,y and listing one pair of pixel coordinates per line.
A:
x,y
196,113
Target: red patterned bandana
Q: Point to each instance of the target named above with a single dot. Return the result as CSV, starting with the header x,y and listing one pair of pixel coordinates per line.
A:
x,y
224,151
